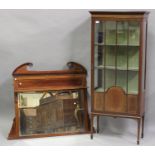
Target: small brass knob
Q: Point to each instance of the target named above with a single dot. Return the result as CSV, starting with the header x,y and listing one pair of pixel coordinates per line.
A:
x,y
20,83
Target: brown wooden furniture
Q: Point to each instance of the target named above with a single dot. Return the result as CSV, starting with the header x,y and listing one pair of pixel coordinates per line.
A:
x,y
118,66
50,103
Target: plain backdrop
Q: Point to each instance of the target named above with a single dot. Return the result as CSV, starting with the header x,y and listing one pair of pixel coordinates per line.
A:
x,y
49,39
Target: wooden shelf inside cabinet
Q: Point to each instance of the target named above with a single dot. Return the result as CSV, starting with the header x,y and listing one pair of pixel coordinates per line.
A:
x,y
118,65
50,103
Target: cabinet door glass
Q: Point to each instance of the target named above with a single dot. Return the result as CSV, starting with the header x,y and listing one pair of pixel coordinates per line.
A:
x,y
116,55
110,32
134,33
122,33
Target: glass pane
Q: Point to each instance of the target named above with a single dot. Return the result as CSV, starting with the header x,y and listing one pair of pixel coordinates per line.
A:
x,y
110,33
109,78
121,57
110,56
51,112
122,79
132,82
99,80
133,58
122,33
99,56
99,32
134,33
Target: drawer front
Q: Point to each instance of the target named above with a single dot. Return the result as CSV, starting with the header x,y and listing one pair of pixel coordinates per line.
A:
x,y
48,83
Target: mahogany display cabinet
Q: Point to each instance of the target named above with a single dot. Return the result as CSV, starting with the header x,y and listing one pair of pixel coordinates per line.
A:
x,y
50,103
118,66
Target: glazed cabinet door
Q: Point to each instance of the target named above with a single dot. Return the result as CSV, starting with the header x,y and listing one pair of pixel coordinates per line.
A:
x,y
116,66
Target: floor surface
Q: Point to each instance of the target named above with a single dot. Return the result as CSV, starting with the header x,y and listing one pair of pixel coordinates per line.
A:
x,y
108,136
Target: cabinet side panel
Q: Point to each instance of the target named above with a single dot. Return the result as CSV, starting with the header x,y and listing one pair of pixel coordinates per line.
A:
x,y
143,82
143,66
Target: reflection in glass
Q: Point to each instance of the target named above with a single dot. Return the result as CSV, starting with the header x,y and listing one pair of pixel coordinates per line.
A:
x,y
50,112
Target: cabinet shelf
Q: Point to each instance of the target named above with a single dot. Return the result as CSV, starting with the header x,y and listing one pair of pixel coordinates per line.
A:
x,y
117,68
101,90
129,45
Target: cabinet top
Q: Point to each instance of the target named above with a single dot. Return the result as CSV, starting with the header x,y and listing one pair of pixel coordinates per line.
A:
x,y
73,68
121,14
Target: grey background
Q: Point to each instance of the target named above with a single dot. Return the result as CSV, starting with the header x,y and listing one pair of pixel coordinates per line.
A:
x,y
49,39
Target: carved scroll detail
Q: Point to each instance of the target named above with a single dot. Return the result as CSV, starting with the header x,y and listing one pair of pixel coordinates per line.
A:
x,y
22,68
76,66
73,68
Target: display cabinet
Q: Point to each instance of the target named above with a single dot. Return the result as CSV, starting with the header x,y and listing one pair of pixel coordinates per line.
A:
x,y
118,66
50,103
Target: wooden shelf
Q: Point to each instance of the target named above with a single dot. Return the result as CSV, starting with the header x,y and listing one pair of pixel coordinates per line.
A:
x,y
116,68
101,90
103,44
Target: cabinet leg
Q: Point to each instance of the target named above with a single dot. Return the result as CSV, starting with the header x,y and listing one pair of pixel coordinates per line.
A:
x,y
97,124
92,124
138,130
142,134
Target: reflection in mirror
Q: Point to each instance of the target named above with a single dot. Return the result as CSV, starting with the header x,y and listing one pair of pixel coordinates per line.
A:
x,y
51,112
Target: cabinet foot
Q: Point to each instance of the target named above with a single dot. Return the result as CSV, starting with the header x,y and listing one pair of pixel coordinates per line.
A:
x,y
138,130
142,134
91,136
97,131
